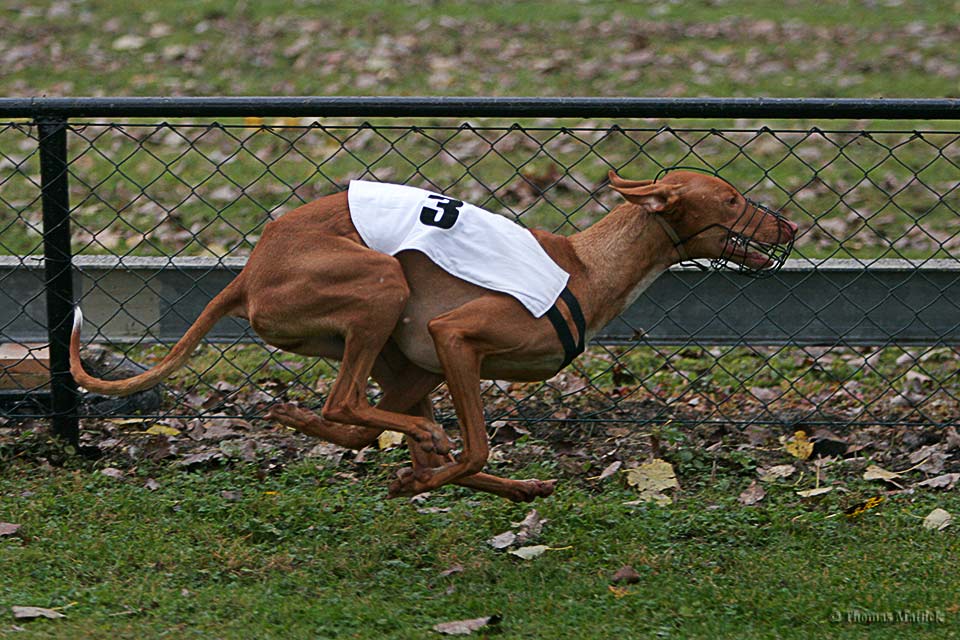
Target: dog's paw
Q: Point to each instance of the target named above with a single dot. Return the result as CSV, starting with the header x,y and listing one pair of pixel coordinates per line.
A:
x,y
410,482
434,439
291,415
530,490
407,484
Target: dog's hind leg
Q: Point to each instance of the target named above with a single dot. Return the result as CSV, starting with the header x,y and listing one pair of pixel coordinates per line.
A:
x,y
397,397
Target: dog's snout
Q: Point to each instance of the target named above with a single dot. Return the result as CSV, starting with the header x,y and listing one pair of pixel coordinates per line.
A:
x,y
791,228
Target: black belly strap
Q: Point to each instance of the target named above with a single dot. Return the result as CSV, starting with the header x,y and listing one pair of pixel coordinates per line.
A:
x,y
571,348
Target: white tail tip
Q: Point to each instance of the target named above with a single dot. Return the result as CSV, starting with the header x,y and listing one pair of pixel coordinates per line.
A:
x,y
77,319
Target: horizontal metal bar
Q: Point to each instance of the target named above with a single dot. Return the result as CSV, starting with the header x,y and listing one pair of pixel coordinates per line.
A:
x,y
500,107
807,303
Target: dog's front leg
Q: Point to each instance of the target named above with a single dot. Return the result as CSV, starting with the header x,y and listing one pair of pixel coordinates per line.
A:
x,y
460,356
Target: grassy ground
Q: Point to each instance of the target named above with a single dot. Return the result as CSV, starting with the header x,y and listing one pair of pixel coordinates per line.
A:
x,y
302,553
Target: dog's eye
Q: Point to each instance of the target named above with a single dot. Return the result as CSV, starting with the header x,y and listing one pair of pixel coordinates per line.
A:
x,y
732,201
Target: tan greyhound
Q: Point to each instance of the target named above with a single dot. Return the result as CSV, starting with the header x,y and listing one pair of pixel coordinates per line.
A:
x,y
312,287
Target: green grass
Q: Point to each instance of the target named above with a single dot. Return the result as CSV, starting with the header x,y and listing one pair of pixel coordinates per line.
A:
x,y
303,554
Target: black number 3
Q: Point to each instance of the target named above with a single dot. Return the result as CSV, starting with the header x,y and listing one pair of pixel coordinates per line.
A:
x,y
446,214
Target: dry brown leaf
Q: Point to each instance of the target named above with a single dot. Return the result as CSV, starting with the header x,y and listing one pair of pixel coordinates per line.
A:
x,y
873,472
937,520
29,613
609,470
752,494
466,627
626,574
945,481
503,540
813,493
8,528
776,472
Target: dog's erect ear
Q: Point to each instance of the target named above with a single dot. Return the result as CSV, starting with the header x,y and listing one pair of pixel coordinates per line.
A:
x,y
655,197
617,181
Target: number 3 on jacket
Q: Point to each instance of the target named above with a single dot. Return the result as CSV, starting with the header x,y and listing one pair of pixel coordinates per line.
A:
x,y
449,212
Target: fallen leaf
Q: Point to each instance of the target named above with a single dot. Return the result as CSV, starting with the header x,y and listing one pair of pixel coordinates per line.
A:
x,y
29,613
327,451
618,592
429,510
151,484
466,627
531,552
457,568
8,528
626,574
937,520
609,470
199,458
798,445
812,493
503,540
945,481
929,459
873,472
389,439
127,421
776,472
217,431
828,444
752,494
862,507
530,527
651,479
162,430
128,42
110,472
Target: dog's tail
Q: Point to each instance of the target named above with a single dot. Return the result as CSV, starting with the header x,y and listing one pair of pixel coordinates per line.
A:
x,y
226,302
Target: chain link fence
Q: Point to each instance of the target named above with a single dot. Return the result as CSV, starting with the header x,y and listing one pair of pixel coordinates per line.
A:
x,y
862,326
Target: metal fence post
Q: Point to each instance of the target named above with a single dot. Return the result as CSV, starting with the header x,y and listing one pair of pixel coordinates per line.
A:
x,y
58,274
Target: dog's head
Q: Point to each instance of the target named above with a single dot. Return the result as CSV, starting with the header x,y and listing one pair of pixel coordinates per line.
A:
x,y
707,218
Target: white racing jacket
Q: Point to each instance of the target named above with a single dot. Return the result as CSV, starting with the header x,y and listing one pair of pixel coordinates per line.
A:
x,y
468,242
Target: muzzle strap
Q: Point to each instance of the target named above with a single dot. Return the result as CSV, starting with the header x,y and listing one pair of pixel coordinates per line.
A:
x,y
571,348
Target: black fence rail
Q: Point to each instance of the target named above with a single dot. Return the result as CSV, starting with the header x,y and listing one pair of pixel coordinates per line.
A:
x,y
142,222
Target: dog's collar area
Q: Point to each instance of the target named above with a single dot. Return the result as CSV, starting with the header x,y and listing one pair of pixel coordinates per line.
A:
x,y
571,348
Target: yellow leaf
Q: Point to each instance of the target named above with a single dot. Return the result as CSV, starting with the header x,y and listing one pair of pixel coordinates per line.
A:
x,y
127,421
798,445
389,439
651,479
618,592
162,430
862,507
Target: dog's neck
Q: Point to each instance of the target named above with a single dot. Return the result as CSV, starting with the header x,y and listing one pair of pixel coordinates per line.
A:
x,y
623,253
